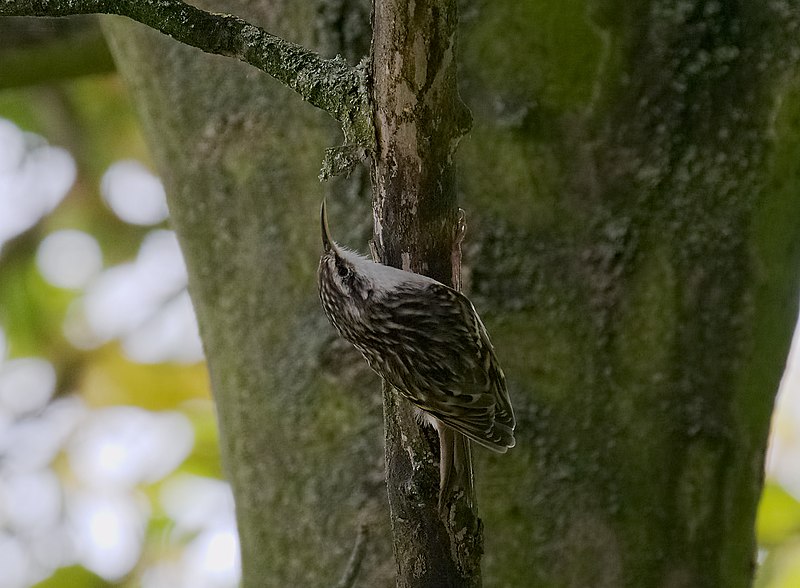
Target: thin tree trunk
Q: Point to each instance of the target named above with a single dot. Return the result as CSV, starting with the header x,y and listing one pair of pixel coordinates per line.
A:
x,y
419,120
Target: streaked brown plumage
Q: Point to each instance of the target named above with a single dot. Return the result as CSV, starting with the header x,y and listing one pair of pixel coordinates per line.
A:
x,y
428,342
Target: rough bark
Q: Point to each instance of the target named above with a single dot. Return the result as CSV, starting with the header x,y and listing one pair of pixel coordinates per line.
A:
x,y
419,120
636,214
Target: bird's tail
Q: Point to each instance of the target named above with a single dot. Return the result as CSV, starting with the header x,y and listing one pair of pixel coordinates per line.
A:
x,y
455,466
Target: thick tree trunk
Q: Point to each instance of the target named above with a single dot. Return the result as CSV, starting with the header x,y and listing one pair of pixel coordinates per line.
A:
x,y
299,412
631,184
631,191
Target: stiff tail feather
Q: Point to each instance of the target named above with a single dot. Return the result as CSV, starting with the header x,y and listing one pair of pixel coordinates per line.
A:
x,y
455,466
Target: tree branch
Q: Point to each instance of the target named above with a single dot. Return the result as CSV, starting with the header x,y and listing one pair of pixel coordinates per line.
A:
x,y
33,52
329,84
356,557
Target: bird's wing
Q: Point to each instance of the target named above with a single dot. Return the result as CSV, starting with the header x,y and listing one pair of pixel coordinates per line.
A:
x,y
440,357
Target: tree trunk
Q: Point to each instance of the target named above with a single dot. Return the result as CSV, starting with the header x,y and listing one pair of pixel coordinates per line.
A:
x,y
419,120
299,412
631,191
631,179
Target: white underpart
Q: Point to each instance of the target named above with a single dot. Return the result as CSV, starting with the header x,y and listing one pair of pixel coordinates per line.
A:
x,y
425,418
383,278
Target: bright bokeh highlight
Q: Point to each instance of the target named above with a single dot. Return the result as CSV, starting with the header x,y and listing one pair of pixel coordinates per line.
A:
x,y
81,482
143,303
69,258
34,178
26,384
134,194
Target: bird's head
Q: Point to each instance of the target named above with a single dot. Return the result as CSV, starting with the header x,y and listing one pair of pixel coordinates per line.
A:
x,y
344,277
349,283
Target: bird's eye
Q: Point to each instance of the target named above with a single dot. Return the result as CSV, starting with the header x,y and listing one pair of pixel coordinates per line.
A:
x,y
343,271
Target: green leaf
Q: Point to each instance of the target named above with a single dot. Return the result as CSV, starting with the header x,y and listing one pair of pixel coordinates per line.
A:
x,y
778,516
73,577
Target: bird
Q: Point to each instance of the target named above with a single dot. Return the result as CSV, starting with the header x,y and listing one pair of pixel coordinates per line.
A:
x,y
426,340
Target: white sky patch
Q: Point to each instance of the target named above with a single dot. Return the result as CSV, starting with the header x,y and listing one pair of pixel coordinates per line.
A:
x,y
134,194
50,549
69,258
14,561
211,560
196,502
30,500
203,512
173,333
12,147
783,457
29,444
116,303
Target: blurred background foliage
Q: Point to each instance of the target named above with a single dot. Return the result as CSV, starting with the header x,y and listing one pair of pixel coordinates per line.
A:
x,y
109,466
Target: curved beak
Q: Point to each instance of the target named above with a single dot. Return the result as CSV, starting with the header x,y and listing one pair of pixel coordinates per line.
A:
x,y
327,242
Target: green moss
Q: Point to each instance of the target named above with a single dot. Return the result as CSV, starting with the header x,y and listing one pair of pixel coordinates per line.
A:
x,y
554,55
776,258
517,169
646,325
